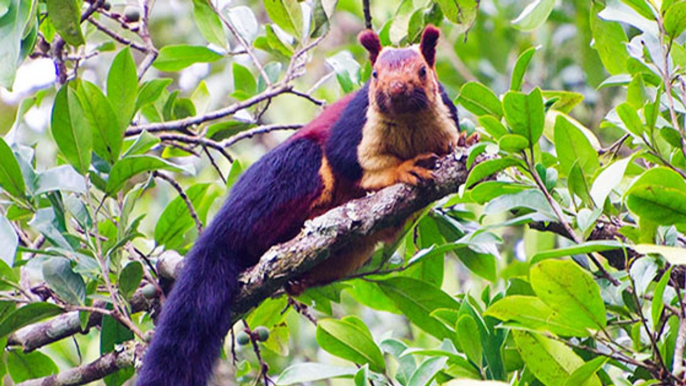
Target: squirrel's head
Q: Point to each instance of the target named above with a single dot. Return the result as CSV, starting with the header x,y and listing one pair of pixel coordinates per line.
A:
x,y
403,79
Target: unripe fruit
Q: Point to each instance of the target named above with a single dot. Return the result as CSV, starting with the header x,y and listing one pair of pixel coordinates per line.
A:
x,y
262,333
242,338
132,14
107,6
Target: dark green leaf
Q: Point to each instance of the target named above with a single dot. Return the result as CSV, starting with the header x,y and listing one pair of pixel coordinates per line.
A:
x,y
176,219
67,284
66,18
11,179
630,118
28,314
178,57
657,306
71,130
469,337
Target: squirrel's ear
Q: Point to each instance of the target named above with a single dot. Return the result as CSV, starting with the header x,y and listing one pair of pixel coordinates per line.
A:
x,y
370,41
428,44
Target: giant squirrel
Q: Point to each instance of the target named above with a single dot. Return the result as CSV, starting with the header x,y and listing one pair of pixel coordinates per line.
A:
x,y
390,131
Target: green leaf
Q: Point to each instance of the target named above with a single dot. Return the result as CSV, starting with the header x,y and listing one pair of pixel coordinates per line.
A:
x,y
347,339
675,19
572,146
208,22
565,288
60,178
488,168
112,333
550,361
608,180
531,199
66,18
287,14
578,184
520,68
657,305
303,373
71,130
609,40
532,313
493,126
9,241
426,372
67,284
461,12
175,220
673,255
579,249
177,57
11,179
585,373
534,15
470,339
150,91
244,82
417,300
12,26
25,366
658,195
122,86
513,143
130,278
525,113
630,118
480,100
128,167
108,134
28,314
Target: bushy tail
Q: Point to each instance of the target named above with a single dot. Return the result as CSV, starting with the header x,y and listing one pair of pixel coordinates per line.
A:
x,y
194,319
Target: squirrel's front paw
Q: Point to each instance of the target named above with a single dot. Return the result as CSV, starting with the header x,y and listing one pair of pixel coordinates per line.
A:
x,y
417,170
467,141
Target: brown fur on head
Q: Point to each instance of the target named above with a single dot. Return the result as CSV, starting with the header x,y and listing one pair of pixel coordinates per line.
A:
x,y
403,79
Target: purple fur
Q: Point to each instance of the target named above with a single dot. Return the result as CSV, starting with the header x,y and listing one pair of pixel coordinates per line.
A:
x,y
268,205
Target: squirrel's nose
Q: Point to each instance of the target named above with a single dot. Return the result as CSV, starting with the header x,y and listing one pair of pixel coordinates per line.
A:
x,y
397,87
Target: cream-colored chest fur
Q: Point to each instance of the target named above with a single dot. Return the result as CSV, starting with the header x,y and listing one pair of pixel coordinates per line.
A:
x,y
387,141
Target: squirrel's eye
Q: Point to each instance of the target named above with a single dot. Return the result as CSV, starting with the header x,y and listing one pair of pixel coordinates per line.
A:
x,y
374,74
422,72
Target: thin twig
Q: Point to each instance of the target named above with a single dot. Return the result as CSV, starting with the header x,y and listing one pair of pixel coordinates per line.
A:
x,y
184,197
367,14
258,130
179,124
197,141
117,37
